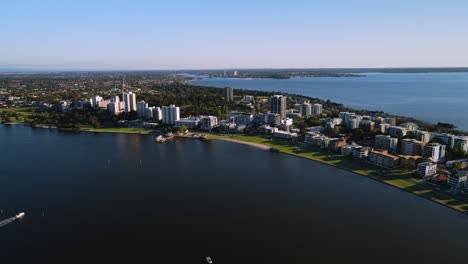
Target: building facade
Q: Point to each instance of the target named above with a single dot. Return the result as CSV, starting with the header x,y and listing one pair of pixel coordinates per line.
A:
x,y
305,109
426,169
382,158
170,114
386,143
129,100
434,151
141,108
317,109
278,105
228,94
412,147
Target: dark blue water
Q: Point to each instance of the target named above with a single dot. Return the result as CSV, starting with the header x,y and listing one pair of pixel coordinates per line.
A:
x,y
187,199
435,97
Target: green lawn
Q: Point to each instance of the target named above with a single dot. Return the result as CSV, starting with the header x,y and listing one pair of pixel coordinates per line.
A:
x,y
25,113
399,178
125,130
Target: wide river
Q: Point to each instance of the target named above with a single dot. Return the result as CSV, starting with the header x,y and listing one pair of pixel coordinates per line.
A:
x,y
110,198
435,97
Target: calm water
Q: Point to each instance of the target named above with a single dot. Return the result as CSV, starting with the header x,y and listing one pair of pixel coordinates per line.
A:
x,y
435,97
188,199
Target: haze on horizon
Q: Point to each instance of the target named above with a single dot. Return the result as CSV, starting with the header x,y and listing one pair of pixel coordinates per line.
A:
x,y
181,34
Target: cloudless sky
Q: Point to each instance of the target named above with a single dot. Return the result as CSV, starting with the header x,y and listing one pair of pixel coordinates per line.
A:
x,y
179,34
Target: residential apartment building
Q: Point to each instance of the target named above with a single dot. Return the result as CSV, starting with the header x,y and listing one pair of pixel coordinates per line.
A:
x,y
229,94
382,158
129,100
189,122
170,114
305,109
426,169
317,109
208,122
411,147
434,152
278,105
141,108
396,131
157,113
386,143
458,181
361,152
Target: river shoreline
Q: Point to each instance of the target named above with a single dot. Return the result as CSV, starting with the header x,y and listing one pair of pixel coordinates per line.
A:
x,y
386,182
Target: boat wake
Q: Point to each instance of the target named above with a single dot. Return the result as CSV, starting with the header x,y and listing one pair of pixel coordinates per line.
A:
x,y
11,219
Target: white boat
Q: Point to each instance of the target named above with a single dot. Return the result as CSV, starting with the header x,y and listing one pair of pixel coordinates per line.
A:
x,y
19,215
209,260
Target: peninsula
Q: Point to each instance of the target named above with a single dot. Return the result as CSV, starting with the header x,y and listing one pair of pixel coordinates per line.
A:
x,y
425,159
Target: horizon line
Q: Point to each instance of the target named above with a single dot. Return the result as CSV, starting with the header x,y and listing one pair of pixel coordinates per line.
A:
x,y
33,70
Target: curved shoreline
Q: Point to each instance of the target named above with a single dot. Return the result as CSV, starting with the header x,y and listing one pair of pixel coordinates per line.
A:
x,y
386,182
256,145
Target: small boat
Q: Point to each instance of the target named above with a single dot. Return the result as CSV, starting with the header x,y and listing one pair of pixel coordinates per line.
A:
x,y
19,215
208,260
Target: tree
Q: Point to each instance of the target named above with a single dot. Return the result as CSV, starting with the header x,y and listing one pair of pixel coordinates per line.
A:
x,y
182,129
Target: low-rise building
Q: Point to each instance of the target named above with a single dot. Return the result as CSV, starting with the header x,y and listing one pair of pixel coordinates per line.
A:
x,y
208,122
285,135
409,161
348,149
318,141
382,158
190,122
336,143
426,169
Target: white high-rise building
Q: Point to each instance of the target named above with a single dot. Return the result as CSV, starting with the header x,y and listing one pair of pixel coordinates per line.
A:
x,y
141,108
305,109
95,100
170,114
149,112
317,109
278,105
129,102
228,94
115,99
113,107
157,113
434,151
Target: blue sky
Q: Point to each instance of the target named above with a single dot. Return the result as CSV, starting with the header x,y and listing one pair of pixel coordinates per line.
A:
x,y
178,34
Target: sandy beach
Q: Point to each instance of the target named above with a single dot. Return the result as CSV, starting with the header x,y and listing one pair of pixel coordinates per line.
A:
x,y
260,146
